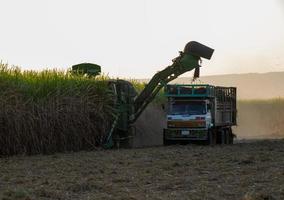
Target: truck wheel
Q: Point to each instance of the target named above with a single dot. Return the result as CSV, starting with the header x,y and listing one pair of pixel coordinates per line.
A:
x,y
227,136
231,136
212,138
231,139
223,136
167,142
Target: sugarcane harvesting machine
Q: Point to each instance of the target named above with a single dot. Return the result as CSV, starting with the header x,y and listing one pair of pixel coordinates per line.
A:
x,y
130,104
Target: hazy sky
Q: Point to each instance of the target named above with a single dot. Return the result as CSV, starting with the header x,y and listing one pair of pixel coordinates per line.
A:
x,y
136,38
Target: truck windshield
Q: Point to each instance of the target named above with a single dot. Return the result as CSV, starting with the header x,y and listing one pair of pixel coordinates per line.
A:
x,y
188,108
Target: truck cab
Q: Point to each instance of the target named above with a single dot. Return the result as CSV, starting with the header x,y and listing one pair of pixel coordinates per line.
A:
x,y
198,113
190,116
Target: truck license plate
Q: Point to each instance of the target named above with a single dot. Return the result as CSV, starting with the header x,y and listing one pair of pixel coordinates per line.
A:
x,y
184,132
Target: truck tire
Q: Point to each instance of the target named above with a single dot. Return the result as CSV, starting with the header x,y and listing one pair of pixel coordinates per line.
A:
x,y
231,139
231,136
166,142
227,136
212,137
224,136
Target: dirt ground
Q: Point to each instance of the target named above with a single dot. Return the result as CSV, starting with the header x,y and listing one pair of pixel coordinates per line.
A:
x,y
251,170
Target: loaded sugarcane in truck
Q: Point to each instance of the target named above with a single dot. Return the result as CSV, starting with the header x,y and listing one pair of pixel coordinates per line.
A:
x,y
129,104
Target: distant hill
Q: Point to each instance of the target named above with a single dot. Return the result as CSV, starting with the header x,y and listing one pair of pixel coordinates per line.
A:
x,y
249,86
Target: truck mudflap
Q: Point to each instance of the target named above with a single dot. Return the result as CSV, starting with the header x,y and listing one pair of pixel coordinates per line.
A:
x,y
185,134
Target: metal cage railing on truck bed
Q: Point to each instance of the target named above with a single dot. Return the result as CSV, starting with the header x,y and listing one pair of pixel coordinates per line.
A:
x,y
226,105
189,90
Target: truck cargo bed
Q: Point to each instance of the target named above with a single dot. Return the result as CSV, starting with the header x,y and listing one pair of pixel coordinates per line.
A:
x,y
225,110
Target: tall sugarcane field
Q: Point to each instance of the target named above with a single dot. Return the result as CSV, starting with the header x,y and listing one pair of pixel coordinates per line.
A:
x,y
52,111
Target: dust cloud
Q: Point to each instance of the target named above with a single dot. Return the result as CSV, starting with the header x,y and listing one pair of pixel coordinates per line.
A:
x,y
149,127
260,119
256,120
249,86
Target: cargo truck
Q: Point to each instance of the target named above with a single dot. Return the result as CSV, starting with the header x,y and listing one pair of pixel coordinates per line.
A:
x,y
200,113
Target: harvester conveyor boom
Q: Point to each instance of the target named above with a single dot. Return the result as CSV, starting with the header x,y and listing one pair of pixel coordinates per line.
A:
x,y
186,61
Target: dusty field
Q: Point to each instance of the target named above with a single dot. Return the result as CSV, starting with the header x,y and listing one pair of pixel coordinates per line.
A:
x,y
242,171
260,119
256,120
